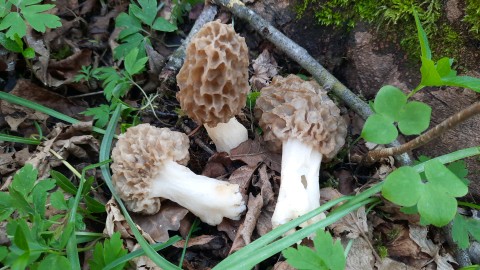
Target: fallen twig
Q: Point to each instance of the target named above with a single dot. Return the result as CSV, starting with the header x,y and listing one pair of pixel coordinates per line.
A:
x,y
302,57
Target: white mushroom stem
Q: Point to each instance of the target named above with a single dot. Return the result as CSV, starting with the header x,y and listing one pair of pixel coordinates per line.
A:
x,y
209,199
299,187
227,136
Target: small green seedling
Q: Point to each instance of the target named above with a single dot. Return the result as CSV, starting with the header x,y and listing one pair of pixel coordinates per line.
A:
x,y
391,106
26,12
16,45
328,254
133,34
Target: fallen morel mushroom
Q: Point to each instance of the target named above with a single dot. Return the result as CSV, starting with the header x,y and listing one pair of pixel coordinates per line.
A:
x,y
148,165
213,83
298,117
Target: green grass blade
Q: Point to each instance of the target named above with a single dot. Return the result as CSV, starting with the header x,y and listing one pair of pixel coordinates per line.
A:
x,y
266,239
16,139
140,252
248,261
105,148
35,106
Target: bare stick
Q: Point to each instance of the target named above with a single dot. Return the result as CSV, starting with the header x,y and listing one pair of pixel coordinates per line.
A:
x,y
301,56
441,128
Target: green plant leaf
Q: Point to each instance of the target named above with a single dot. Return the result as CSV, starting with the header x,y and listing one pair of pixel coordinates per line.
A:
x,y
20,240
39,195
435,206
389,101
439,175
379,129
28,53
422,37
101,114
38,20
58,201
111,250
414,118
444,67
3,252
24,179
10,44
134,65
15,25
63,182
59,262
403,186
460,231
435,199
147,12
327,254
161,24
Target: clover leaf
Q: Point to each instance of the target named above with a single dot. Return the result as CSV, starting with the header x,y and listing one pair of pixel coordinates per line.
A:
x,y
391,106
433,196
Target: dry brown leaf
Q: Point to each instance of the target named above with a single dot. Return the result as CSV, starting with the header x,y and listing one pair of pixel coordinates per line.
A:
x,y
65,70
264,223
395,214
167,219
195,241
218,165
282,266
245,231
66,141
360,256
264,69
242,177
144,263
401,246
230,227
389,264
352,225
28,90
263,183
252,153
116,222
7,164
419,235
4,240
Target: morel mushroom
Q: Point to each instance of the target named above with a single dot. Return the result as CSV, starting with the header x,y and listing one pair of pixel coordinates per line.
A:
x,y
148,165
213,83
298,117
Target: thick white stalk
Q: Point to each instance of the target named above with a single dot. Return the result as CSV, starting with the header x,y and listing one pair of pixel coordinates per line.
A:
x,y
299,187
227,136
209,199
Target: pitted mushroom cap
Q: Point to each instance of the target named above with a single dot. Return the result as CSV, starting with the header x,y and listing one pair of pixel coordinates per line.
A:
x,y
213,81
293,108
138,156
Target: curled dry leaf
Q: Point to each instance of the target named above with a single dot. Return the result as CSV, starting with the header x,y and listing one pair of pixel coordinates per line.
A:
x,y
167,219
360,256
245,231
116,222
66,141
264,69
419,235
195,241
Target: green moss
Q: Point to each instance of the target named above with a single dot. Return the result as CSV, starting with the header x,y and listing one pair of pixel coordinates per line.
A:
x,y
472,17
347,13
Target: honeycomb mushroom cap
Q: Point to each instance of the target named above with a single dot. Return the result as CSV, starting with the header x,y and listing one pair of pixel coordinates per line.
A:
x,y
213,81
293,108
138,156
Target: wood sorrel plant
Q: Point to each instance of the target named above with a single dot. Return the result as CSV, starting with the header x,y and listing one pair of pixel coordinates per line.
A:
x,y
432,194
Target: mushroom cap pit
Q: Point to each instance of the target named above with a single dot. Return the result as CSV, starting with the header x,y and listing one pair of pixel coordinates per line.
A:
x,y
213,80
138,156
293,108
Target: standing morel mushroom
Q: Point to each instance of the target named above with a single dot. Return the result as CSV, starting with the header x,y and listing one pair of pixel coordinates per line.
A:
x,y
148,164
298,117
213,83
